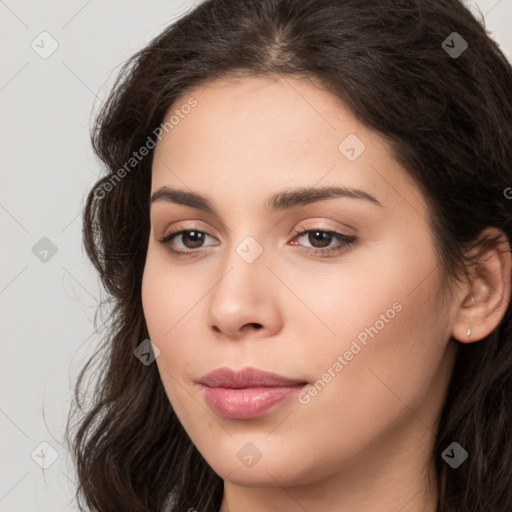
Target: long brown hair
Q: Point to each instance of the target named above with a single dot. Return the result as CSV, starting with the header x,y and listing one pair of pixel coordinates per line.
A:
x,y
446,110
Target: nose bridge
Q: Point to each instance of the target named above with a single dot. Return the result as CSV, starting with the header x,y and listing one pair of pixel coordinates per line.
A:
x,y
242,294
243,271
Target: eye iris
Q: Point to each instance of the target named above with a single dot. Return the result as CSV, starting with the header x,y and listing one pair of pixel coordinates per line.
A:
x,y
195,236
319,236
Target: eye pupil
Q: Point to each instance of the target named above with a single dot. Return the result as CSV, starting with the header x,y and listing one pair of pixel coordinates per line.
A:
x,y
196,238
320,236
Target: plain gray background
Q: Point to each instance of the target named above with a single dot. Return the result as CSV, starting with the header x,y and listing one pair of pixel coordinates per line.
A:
x,y
48,300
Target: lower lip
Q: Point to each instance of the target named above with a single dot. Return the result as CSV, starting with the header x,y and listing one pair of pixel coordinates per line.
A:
x,y
247,403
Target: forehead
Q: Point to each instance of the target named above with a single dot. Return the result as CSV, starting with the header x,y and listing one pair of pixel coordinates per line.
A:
x,y
247,134
253,110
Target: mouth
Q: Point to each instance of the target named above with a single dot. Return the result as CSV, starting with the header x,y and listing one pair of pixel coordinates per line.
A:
x,y
247,393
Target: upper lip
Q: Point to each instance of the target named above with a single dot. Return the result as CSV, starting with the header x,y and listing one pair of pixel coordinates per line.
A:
x,y
245,378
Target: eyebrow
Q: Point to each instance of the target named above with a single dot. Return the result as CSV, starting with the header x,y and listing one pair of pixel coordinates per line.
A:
x,y
283,200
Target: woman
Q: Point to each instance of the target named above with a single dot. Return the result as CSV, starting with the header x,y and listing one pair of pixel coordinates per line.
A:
x,y
304,227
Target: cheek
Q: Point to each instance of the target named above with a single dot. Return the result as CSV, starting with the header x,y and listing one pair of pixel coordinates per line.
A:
x,y
169,297
389,334
392,347
388,292
168,300
168,308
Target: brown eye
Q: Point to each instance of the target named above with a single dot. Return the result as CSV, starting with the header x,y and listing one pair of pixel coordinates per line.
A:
x,y
192,239
320,239
189,239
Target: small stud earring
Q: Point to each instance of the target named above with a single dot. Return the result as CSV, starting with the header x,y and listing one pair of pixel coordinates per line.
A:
x,y
468,332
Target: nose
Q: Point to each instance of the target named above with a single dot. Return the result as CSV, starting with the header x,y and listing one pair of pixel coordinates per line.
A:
x,y
245,300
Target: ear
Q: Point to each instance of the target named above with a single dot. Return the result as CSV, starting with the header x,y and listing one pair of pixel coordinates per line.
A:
x,y
484,300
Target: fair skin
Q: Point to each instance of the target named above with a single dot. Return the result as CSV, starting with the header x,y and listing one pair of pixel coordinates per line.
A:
x,y
363,442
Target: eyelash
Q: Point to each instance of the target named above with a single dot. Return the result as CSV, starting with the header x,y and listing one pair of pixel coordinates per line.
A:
x,y
348,242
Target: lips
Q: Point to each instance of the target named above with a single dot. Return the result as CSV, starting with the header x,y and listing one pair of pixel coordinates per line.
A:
x,y
247,393
246,378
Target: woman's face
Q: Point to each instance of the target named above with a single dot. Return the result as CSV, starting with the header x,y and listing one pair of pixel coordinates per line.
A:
x,y
353,318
